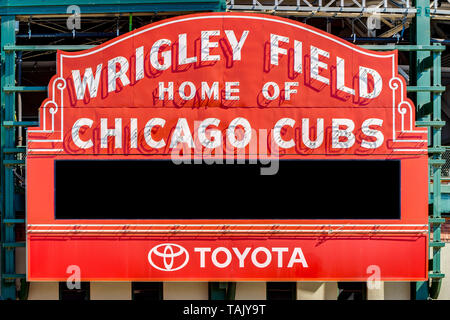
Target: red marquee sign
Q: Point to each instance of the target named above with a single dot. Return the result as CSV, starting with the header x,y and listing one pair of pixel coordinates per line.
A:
x,y
218,88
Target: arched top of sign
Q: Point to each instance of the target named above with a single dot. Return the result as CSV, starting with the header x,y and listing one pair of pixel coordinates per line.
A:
x,y
230,62
222,50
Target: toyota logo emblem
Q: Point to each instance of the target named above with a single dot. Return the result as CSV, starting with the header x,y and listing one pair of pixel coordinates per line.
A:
x,y
168,257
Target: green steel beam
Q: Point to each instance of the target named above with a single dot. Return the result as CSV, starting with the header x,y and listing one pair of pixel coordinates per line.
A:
x,y
222,290
13,221
20,123
436,275
13,276
436,150
425,89
437,207
8,287
15,150
388,47
9,89
429,123
14,245
421,290
11,163
217,290
428,94
437,244
130,22
47,47
52,7
436,162
436,220
420,76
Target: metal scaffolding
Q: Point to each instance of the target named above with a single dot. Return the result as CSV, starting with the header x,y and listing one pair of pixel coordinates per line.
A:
x,y
338,8
396,16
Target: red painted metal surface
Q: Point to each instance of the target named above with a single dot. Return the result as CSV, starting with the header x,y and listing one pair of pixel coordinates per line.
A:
x,y
266,69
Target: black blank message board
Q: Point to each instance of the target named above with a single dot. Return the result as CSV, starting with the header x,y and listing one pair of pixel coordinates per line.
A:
x,y
161,189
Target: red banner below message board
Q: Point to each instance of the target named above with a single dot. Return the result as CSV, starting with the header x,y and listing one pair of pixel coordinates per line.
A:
x,y
227,147
240,259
